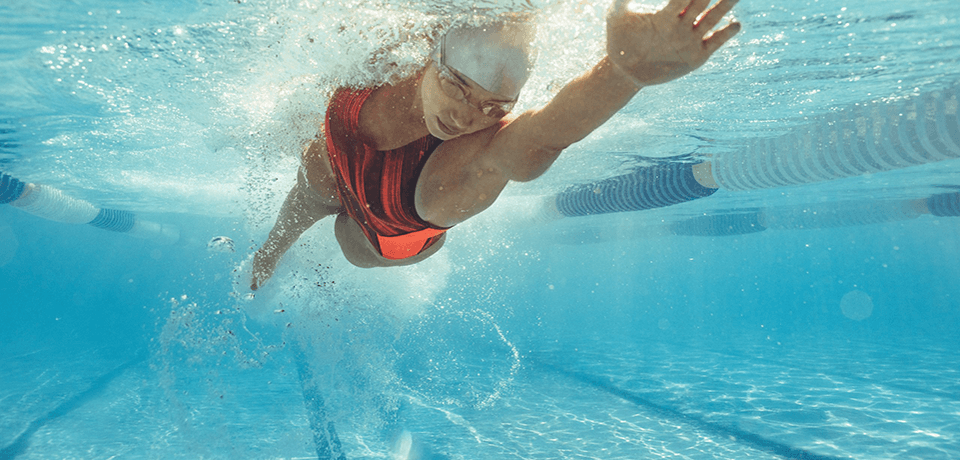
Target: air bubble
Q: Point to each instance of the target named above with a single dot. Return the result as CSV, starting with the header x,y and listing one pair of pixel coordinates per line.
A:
x,y
856,305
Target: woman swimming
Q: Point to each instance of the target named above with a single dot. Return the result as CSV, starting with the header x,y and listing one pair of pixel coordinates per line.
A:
x,y
399,164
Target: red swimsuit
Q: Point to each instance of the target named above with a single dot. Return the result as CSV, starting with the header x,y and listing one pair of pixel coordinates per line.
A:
x,y
377,187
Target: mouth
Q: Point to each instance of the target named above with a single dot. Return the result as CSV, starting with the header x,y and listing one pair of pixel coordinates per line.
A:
x,y
446,129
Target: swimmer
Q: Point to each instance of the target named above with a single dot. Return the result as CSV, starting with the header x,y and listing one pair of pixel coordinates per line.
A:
x,y
400,164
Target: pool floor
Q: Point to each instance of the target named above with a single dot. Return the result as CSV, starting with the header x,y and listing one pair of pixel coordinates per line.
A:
x,y
589,398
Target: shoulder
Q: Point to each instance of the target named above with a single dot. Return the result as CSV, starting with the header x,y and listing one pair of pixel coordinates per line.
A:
x,y
346,99
358,114
343,111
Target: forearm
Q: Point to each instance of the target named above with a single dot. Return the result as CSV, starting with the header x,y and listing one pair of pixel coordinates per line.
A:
x,y
584,104
296,215
642,49
294,219
530,143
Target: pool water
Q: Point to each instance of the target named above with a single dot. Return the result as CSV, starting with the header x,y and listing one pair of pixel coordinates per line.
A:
x,y
814,321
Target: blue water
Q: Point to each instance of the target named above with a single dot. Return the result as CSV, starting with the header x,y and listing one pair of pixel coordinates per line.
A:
x,y
606,337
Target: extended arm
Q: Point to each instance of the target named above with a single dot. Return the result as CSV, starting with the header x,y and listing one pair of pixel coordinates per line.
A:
x,y
642,50
302,208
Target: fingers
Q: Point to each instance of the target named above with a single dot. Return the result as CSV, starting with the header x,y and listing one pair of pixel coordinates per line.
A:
x,y
713,17
259,273
256,281
693,10
720,37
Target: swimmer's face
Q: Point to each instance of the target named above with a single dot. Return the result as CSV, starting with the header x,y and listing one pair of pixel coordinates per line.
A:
x,y
454,105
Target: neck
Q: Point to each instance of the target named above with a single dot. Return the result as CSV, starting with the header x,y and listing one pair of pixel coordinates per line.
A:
x,y
412,103
395,114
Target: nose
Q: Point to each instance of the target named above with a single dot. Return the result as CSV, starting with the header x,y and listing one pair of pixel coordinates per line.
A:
x,y
463,117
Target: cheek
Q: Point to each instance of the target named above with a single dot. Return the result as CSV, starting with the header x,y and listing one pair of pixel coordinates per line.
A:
x,y
432,107
430,96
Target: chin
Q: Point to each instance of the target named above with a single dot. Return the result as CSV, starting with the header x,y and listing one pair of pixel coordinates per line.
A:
x,y
434,127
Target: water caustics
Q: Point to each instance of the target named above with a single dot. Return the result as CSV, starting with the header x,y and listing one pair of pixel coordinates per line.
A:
x,y
154,119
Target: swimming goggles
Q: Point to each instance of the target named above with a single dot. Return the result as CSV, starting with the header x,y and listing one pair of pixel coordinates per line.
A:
x,y
457,88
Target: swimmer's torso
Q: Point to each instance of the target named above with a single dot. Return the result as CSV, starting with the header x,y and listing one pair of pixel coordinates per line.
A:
x,y
460,179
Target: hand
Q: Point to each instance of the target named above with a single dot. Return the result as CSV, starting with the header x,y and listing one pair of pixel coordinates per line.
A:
x,y
264,263
659,47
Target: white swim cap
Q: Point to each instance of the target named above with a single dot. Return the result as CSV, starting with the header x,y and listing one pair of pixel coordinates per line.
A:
x,y
497,56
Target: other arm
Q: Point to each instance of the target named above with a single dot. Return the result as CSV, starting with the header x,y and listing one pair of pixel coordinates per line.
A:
x,y
303,207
